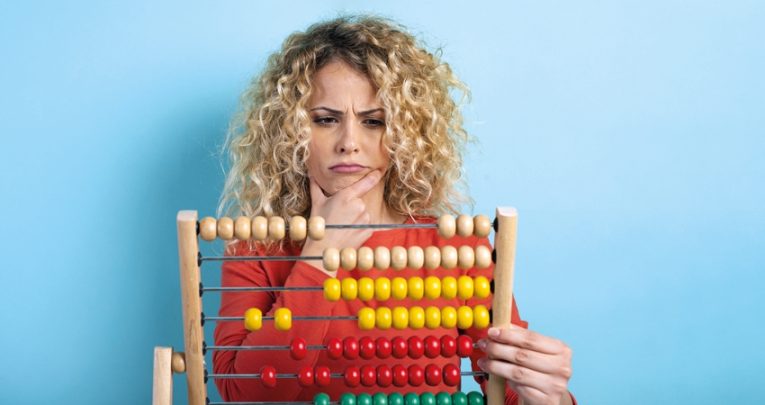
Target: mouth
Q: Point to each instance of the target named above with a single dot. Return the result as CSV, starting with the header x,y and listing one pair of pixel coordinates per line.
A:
x,y
347,168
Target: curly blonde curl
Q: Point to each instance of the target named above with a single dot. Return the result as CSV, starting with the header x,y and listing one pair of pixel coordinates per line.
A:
x,y
268,139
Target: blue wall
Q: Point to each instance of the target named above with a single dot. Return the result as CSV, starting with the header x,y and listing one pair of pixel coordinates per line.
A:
x,y
628,134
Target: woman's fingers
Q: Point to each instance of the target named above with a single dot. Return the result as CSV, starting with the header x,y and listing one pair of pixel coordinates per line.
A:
x,y
542,362
517,375
360,187
527,339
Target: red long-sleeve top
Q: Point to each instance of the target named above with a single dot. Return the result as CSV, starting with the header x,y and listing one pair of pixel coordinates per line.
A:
x,y
298,274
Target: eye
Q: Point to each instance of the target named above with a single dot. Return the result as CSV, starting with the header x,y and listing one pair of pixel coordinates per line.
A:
x,y
374,123
325,120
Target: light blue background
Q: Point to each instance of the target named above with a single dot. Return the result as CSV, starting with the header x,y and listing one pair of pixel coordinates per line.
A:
x,y
628,134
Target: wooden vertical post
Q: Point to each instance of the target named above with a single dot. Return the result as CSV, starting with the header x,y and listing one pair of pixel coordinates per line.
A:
x,y
193,334
162,393
504,268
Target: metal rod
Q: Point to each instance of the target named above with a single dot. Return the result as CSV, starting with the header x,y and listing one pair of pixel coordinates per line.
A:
x,y
269,403
264,347
257,258
380,226
245,289
332,375
294,318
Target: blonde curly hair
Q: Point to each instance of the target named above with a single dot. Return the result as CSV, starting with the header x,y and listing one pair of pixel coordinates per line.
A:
x,y
268,139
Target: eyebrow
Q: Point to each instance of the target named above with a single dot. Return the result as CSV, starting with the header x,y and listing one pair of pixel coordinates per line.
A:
x,y
338,112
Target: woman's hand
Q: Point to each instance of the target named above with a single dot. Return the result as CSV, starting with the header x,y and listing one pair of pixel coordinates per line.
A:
x,y
535,366
344,207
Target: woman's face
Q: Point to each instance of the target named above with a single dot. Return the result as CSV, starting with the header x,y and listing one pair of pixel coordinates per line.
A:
x,y
347,125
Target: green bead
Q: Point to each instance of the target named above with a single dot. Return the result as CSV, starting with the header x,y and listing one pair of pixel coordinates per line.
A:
x,y
321,399
364,399
443,398
475,398
347,399
395,399
427,398
411,399
459,398
380,399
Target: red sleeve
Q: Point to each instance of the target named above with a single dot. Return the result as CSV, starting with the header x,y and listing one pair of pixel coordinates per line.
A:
x,y
234,334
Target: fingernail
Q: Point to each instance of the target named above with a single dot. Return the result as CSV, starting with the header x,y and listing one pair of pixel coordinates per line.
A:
x,y
482,344
481,362
493,332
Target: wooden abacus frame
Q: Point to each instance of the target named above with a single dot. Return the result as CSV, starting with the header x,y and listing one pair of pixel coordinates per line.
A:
x,y
167,362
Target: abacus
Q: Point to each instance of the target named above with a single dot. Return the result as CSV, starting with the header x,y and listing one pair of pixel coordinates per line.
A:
x,y
191,362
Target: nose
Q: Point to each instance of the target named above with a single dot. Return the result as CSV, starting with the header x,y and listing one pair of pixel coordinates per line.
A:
x,y
348,141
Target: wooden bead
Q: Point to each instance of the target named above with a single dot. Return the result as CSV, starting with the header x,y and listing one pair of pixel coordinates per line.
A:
x,y
446,226
348,258
283,319
432,287
482,287
253,319
464,317
448,287
465,287
276,228
448,317
416,317
398,288
416,288
331,259
398,257
298,228
383,318
242,228
382,258
482,257
448,257
465,257
365,257
464,225
178,362
226,228
349,288
481,226
481,317
415,257
382,288
432,317
208,228
259,228
432,257
316,227
366,288
332,289
400,318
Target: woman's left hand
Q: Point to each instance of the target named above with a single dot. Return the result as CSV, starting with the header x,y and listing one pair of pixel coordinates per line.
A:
x,y
537,367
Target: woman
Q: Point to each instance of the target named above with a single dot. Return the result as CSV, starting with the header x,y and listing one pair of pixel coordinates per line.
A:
x,y
353,121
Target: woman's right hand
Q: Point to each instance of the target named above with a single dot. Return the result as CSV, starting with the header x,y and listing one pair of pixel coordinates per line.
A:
x,y
344,207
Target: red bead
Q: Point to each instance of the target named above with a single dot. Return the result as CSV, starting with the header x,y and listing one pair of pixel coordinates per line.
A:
x,y
352,376
334,348
400,348
268,376
350,348
368,376
464,346
416,348
305,376
451,375
322,376
400,375
432,347
384,376
383,348
298,349
448,346
366,348
416,375
432,375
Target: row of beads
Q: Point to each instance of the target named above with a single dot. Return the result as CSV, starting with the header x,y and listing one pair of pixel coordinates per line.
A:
x,y
395,398
414,257
369,376
261,228
398,347
416,317
253,319
275,228
399,288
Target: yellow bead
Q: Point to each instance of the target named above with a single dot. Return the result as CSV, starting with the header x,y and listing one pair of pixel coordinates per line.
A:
x,y
481,317
481,226
253,319
398,288
432,317
365,258
366,288
449,287
432,287
349,288
400,317
416,288
482,257
366,318
464,317
448,317
398,257
464,225
332,289
432,257
382,288
208,228
446,226
283,319
415,257
482,287
416,317
383,317
465,287
382,258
